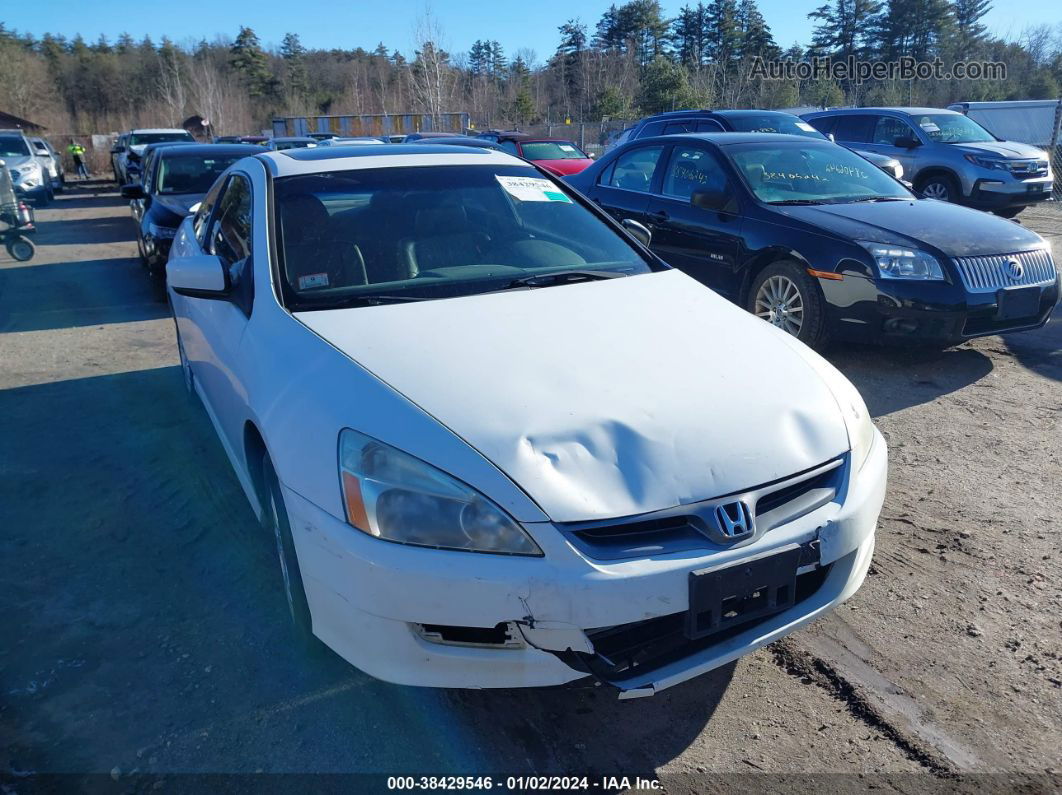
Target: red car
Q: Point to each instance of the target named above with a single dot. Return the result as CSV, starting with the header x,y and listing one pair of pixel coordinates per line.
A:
x,y
557,155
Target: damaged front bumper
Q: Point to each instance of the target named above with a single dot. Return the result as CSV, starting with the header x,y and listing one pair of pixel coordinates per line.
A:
x,y
440,618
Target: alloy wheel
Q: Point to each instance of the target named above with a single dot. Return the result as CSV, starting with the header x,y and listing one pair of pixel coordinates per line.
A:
x,y
273,518
778,301
937,190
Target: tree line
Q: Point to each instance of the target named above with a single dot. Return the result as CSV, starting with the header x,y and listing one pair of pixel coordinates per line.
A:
x,y
632,61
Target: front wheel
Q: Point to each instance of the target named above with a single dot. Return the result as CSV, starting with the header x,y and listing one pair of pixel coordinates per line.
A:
x,y
788,298
275,521
21,249
940,187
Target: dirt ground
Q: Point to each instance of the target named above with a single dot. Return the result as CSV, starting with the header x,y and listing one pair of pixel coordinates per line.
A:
x,y
143,626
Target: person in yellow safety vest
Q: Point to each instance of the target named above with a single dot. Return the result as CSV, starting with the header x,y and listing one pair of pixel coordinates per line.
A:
x,y
77,152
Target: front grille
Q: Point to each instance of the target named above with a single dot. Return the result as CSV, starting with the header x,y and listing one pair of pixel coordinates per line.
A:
x,y
1028,168
690,527
988,274
628,650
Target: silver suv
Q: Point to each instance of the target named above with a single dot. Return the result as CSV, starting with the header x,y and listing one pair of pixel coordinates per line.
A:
x,y
947,155
29,176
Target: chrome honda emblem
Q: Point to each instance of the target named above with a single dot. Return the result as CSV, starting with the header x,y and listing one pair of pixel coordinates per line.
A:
x,y
1015,270
734,519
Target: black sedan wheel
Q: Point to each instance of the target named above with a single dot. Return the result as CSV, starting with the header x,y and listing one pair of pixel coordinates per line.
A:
x,y
785,296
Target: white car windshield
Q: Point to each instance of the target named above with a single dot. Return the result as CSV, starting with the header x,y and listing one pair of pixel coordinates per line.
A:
x,y
351,238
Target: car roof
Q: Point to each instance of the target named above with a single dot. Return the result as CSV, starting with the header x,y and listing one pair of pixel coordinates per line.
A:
x,y
907,111
157,130
747,112
292,138
349,158
208,149
728,138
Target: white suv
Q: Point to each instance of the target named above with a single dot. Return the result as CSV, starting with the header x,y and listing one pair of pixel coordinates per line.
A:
x,y
52,162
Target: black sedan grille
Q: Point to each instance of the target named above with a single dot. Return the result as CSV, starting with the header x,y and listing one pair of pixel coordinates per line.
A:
x,y
988,274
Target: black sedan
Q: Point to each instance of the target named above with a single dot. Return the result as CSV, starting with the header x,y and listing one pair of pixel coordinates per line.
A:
x,y
806,235
177,178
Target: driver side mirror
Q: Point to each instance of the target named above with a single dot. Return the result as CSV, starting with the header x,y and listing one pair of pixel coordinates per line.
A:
x,y
117,150
638,231
132,191
709,199
906,142
198,276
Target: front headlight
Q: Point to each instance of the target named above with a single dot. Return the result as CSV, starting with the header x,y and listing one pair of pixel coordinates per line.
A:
x,y
161,232
897,262
987,162
395,496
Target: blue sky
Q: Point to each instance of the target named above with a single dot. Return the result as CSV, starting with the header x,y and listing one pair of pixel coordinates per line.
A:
x,y
322,23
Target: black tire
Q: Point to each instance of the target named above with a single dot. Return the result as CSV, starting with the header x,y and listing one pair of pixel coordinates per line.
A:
x,y
1008,212
942,187
20,248
784,295
140,251
44,199
275,521
158,286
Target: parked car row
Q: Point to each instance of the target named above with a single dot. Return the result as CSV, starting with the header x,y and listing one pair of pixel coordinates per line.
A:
x,y
128,148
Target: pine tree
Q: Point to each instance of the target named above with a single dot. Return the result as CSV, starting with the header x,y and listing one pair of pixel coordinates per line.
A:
x,y
846,28
642,22
294,55
251,63
756,38
608,36
724,34
689,36
968,28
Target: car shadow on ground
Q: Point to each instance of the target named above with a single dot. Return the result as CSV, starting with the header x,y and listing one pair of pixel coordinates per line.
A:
x,y
892,378
1040,350
139,590
88,194
73,294
85,231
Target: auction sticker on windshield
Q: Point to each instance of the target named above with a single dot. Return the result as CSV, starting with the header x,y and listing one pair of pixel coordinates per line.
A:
x,y
531,189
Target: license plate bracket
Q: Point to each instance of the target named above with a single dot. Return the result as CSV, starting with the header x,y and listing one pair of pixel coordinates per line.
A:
x,y
1018,302
745,591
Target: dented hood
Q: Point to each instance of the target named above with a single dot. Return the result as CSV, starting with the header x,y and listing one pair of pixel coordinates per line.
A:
x,y
604,399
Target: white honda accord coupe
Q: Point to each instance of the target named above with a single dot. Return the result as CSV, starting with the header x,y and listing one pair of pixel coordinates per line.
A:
x,y
498,442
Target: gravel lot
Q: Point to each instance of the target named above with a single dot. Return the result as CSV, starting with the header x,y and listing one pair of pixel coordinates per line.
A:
x,y
144,625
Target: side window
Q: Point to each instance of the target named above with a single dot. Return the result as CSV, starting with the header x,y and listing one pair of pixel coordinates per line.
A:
x,y
709,125
510,147
676,127
202,215
651,129
855,128
888,129
230,231
634,169
692,168
824,124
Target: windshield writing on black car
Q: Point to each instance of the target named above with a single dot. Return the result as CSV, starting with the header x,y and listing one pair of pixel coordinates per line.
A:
x,y
827,174
438,232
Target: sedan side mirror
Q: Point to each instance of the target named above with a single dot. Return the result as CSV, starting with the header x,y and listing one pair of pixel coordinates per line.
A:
x,y
638,231
132,191
198,276
906,142
709,199
116,150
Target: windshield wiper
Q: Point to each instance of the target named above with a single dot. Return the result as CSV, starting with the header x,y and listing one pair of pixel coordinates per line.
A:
x,y
561,277
879,199
362,300
798,201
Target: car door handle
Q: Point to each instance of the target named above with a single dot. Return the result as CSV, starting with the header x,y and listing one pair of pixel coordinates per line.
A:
x,y
659,215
